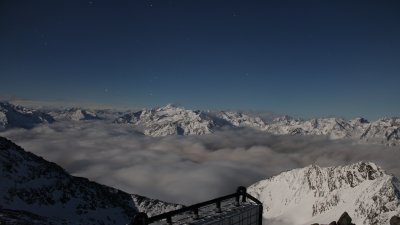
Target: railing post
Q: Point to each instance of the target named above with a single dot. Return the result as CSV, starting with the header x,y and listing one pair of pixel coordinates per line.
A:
x,y
169,220
196,214
241,191
237,198
218,207
260,216
139,219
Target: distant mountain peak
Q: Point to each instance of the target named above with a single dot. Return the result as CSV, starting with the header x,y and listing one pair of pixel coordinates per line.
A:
x,y
14,116
171,106
74,114
170,120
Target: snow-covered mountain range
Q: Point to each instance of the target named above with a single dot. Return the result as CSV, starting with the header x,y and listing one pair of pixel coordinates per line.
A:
x,y
173,120
35,191
320,195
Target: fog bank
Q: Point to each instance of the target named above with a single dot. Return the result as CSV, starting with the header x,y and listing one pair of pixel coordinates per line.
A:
x,y
187,169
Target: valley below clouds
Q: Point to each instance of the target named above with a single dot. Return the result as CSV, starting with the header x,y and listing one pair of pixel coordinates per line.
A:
x,y
187,169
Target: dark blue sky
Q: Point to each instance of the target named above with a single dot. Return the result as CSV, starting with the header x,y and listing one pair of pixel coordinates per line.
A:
x,y
306,58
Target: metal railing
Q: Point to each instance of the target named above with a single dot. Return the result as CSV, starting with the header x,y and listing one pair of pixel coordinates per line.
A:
x,y
240,195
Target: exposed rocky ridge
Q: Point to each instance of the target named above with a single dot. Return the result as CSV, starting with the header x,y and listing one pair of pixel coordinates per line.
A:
x,y
317,195
395,220
345,219
41,190
13,116
153,207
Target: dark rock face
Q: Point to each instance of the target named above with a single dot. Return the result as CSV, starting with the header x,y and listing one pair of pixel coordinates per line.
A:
x,y
395,220
345,219
33,184
20,217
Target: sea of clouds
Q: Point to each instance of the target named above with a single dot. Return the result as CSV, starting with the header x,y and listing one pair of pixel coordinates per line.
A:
x,y
187,169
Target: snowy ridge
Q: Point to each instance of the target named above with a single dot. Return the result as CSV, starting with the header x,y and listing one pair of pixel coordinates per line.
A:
x,y
238,119
34,189
12,116
385,130
319,195
74,114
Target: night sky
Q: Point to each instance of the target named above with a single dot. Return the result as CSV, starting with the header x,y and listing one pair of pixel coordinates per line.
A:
x,y
304,58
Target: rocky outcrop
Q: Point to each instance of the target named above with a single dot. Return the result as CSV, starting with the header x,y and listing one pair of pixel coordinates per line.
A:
x,y
345,219
315,194
395,220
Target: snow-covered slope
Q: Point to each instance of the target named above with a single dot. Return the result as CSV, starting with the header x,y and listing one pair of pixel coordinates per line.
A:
x,y
12,116
74,114
170,120
319,195
33,188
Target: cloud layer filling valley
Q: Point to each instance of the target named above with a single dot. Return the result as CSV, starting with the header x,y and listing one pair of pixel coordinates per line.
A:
x,y
187,169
